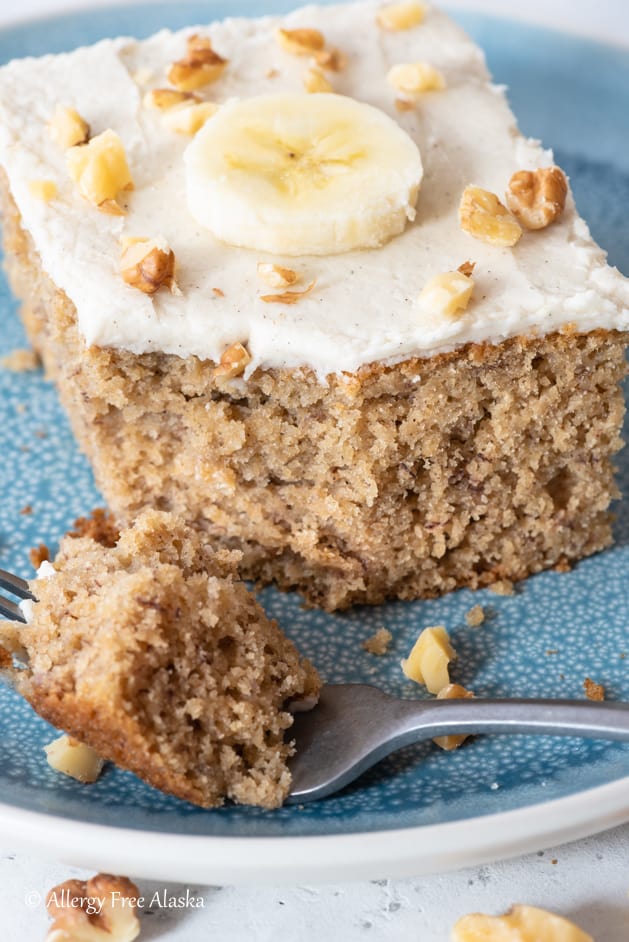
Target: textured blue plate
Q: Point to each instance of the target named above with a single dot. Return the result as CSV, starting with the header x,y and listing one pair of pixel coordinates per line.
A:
x,y
556,630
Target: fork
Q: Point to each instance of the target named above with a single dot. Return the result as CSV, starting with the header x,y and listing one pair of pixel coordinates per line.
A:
x,y
354,726
15,586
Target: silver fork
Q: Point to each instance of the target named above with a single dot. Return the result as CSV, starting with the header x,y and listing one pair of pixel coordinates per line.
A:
x,y
15,586
354,726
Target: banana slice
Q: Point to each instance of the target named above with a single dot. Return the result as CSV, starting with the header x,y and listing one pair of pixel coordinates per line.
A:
x,y
295,174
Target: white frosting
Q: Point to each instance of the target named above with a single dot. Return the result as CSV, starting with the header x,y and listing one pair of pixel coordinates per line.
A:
x,y
364,306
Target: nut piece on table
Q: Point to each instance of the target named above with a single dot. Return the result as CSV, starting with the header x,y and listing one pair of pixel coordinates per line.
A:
x,y
400,16
67,127
101,909
482,215
148,265
520,924
233,362
73,758
190,118
275,276
45,190
315,82
100,170
413,78
301,42
200,66
537,197
429,659
452,692
447,294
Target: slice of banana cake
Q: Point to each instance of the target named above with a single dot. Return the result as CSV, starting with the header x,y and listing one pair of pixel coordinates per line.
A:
x,y
302,281
146,647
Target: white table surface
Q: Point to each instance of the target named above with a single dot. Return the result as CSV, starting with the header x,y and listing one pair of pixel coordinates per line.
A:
x,y
587,881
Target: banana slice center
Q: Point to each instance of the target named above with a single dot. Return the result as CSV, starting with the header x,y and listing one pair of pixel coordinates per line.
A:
x,y
303,175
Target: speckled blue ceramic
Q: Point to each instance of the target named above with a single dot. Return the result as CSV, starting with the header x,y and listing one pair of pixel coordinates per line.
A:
x,y
543,641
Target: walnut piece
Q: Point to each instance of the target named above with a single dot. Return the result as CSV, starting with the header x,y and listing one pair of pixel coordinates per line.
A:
x,y
45,190
379,642
482,215
332,60
100,170
429,659
73,758
400,16
452,692
300,42
593,691
67,128
148,265
164,98
233,362
520,924
200,66
413,78
188,119
101,909
287,297
315,82
537,197
275,276
447,294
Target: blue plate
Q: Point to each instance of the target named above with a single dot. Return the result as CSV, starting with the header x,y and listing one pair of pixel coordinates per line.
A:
x,y
543,641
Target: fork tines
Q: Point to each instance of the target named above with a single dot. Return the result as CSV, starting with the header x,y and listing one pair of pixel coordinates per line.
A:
x,y
15,586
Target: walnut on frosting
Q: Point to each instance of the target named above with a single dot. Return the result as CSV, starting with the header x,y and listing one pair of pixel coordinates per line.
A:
x,y
275,276
67,128
233,362
415,78
148,265
315,82
100,170
537,197
395,17
300,42
483,216
200,66
101,909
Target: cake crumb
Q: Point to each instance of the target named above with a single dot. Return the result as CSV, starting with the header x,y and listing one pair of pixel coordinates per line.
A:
x,y
593,691
38,555
563,565
21,361
475,616
26,510
501,587
550,651
99,526
218,292
379,642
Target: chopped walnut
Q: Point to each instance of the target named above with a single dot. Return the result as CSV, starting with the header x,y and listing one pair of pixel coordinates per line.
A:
x,y
38,555
429,659
482,215
101,909
20,361
300,42
413,78
67,128
452,692
475,616
233,362
275,276
315,82
520,924
100,170
75,759
593,691
447,294
164,98
45,190
148,265
379,642
287,297
200,66
501,587
404,104
537,197
332,60
401,16
467,268
188,119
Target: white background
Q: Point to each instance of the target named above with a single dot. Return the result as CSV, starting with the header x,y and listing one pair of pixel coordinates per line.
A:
x,y
587,881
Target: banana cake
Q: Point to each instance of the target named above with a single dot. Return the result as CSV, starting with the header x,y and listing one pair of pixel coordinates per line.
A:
x,y
301,282
145,646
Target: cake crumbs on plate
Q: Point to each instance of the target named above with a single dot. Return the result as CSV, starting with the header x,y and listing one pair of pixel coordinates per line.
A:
x,y
38,555
475,616
501,587
26,510
21,361
379,642
593,691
